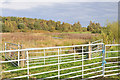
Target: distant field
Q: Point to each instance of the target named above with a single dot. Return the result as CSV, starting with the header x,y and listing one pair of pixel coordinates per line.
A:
x,y
77,32
31,40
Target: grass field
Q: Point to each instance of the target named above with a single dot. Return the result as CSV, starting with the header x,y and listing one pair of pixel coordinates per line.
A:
x,y
35,40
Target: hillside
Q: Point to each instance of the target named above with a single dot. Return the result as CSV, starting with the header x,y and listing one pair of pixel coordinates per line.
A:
x,y
23,24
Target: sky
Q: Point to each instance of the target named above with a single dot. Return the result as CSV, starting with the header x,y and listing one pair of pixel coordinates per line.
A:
x,y
63,10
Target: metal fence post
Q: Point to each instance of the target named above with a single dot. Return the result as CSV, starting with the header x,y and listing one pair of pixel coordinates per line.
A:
x,y
44,56
10,56
58,65
74,53
27,64
18,56
82,64
60,56
5,49
103,61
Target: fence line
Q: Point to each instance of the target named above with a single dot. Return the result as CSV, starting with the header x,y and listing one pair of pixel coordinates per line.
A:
x,y
102,63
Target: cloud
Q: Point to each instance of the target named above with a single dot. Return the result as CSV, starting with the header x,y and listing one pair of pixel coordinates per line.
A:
x,y
24,5
64,12
60,0
28,4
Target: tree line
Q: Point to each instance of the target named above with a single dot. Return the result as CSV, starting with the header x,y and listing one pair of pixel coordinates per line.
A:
x,y
23,24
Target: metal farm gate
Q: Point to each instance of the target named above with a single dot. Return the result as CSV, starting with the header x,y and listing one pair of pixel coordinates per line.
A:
x,y
12,55
64,62
111,66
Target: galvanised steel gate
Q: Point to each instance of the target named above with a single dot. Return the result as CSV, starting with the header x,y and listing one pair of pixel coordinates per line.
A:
x,y
64,62
112,60
12,55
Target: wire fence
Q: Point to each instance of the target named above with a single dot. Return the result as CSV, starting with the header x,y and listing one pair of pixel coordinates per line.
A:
x,y
64,62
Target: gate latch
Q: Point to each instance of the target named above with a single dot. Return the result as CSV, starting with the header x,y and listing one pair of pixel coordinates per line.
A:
x,y
104,62
103,51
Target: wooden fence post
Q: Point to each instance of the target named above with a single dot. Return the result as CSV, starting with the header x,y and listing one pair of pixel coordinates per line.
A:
x,y
22,54
22,64
89,51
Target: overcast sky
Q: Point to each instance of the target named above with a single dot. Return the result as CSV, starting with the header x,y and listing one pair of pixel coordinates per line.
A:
x,y
63,11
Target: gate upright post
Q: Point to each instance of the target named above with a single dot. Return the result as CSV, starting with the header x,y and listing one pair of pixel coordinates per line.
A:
x,y
82,64
60,56
27,64
44,56
5,49
18,55
103,61
10,57
74,53
58,65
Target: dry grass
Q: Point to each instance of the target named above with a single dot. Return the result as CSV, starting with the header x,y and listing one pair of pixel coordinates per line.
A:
x,y
32,40
73,35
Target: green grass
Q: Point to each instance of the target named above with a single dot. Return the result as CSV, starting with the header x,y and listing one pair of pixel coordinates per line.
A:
x,y
9,66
